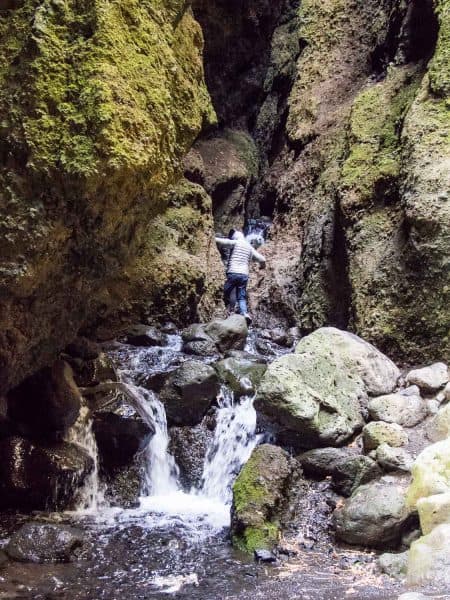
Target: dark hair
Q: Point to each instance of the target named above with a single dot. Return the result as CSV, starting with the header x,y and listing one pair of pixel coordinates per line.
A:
x,y
231,233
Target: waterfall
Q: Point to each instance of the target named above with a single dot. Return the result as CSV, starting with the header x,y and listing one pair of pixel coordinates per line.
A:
x,y
233,443
92,495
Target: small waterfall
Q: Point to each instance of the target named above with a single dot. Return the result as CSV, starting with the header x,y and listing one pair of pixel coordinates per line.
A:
x,y
234,441
92,495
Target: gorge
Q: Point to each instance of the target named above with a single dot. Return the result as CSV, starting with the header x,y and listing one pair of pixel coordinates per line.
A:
x,y
153,444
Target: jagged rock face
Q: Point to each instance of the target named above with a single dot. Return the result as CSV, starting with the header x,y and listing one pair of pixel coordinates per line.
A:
x,y
97,107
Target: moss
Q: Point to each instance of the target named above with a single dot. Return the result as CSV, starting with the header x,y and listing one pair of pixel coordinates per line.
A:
x,y
249,490
257,538
440,65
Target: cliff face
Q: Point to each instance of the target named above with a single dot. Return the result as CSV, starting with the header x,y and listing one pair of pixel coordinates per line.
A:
x,y
351,126
99,102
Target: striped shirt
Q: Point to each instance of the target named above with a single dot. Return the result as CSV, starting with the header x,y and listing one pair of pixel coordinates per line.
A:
x,y
241,254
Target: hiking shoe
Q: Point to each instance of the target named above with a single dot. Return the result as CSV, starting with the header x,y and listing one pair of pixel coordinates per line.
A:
x,y
248,318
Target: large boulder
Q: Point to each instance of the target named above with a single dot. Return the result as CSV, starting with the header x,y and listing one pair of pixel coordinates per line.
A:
x,y
44,543
405,410
394,459
89,373
228,334
434,511
144,335
429,558
188,392
119,429
439,428
431,472
197,342
375,514
48,403
429,379
242,375
41,477
258,494
378,373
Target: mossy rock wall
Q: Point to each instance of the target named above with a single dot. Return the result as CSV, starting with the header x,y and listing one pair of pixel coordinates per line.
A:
x,y
99,102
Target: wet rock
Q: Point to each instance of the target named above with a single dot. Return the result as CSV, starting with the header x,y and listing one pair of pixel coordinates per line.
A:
x,y
353,472
411,390
44,543
188,393
394,565
429,379
405,410
264,556
197,342
119,429
393,459
39,477
189,446
258,494
47,403
263,347
430,472
281,337
169,328
228,334
434,511
378,432
429,558
144,335
3,559
83,348
124,484
375,514
241,375
89,373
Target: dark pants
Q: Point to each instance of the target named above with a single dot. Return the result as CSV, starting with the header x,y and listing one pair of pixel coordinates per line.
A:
x,y
238,282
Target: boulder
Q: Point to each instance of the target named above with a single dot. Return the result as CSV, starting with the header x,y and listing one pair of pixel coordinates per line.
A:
x,y
83,348
394,565
375,514
144,335
376,370
197,342
434,511
241,375
40,477
405,410
228,334
311,398
258,494
378,432
89,373
119,429
47,403
189,445
188,392
439,428
393,459
347,469
429,379
430,472
353,472
429,558
281,337
44,543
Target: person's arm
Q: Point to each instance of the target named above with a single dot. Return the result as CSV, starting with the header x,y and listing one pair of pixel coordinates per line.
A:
x,y
259,257
225,242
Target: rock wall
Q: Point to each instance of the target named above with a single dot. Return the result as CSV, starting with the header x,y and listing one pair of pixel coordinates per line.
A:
x,y
99,102
349,122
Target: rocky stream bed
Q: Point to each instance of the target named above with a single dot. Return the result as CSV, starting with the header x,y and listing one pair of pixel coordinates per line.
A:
x,y
168,421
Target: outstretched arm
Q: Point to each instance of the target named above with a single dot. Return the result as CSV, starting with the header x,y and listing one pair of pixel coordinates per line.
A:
x,y
225,242
259,257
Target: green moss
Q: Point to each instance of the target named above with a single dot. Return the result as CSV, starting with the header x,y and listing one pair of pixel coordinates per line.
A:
x,y
249,490
440,65
257,538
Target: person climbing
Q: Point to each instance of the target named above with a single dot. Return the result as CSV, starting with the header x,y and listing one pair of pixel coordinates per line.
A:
x,y
238,269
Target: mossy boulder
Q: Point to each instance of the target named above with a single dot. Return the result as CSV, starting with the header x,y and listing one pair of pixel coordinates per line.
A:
x,y
377,433
434,511
241,375
318,395
98,105
431,472
258,495
429,558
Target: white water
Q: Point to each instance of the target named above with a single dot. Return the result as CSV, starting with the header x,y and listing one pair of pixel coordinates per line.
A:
x,y
91,497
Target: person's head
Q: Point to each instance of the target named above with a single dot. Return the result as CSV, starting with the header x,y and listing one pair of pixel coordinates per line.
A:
x,y
237,235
